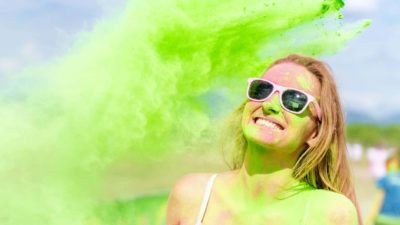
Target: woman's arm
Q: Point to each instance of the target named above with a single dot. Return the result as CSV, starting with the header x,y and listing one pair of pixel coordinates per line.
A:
x,y
174,204
330,208
173,210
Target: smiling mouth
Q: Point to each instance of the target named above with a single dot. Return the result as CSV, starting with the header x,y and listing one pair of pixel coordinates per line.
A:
x,y
267,123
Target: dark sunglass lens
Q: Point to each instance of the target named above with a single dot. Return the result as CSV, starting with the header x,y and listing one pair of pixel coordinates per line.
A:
x,y
260,89
294,100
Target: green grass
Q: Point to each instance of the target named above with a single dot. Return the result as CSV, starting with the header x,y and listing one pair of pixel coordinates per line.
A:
x,y
370,134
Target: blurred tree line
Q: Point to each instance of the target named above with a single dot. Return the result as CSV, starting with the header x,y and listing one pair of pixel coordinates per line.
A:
x,y
373,134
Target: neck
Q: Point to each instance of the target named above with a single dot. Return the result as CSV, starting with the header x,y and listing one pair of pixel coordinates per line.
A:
x,y
267,172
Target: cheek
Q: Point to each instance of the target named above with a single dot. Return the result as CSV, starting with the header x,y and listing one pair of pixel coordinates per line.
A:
x,y
300,125
248,110
301,129
312,110
254,133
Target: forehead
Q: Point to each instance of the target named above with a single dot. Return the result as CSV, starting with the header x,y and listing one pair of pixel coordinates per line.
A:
x,y
293,75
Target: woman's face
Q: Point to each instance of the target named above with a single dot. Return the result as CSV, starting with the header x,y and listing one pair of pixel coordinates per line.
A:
x,y
282,130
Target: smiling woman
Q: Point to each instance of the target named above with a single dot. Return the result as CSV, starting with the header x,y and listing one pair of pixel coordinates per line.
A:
x,y
291,165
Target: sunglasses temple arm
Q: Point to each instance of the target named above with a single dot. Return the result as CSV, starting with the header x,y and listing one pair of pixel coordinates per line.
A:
x,y
318,109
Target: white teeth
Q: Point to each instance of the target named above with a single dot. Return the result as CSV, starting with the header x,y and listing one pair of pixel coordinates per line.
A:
x,y
267,123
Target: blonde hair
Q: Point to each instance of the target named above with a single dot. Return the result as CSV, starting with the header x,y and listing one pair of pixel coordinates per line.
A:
x,y
325,164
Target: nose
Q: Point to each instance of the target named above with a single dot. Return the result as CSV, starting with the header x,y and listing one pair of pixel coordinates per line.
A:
x,y
272,104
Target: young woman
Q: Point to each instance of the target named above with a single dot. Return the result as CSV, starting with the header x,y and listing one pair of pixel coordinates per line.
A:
x,y
291,166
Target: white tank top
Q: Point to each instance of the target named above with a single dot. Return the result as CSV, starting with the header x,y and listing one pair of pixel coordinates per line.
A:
x,y
206,197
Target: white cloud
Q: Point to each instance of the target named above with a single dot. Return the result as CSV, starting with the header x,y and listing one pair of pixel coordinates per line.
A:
x,y
30,51
8,64
376,104
361,5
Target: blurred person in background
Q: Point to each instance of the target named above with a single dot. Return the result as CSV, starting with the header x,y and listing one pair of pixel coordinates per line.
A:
x,y
355,151
377,157
291,165
386,207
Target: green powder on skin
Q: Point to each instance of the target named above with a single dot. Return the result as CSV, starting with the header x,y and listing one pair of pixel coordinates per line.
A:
x,y
135,84
304,83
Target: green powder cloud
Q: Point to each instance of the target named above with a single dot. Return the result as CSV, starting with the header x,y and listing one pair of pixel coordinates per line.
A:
x,y
144,83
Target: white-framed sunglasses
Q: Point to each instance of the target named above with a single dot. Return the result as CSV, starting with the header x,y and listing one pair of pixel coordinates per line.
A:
x,y
292,100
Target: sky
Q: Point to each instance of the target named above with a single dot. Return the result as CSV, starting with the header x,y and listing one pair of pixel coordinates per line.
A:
x,y
367,70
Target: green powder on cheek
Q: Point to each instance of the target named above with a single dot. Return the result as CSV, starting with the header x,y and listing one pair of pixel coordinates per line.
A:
x,y
297,126
136,85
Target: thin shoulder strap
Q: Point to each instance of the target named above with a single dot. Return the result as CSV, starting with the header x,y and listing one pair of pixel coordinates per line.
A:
x,y
206,197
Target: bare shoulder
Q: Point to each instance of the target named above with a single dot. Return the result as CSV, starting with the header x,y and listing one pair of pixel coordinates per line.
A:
x,y
191,185
333,208
185,197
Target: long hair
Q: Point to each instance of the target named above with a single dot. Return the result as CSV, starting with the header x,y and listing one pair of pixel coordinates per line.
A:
x,y
323,165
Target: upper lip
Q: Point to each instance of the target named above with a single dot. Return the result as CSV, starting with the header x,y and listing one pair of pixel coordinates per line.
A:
x,y
270,119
